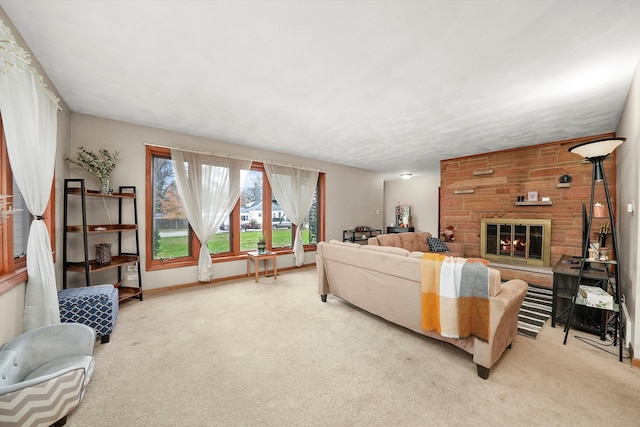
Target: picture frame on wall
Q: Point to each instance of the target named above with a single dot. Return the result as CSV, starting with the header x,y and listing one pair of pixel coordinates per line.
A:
x,y
532,196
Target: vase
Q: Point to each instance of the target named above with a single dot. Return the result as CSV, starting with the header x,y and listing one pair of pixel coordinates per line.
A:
x,y
262,247
103,253
104,185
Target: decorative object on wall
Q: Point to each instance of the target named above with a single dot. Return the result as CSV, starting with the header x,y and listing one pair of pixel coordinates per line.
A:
x,y
403,216
598,210
100,167
6,209
532,196
483,172
565,179
448,234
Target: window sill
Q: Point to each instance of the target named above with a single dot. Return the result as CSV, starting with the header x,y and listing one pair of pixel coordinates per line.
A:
x,y
11,280
157,265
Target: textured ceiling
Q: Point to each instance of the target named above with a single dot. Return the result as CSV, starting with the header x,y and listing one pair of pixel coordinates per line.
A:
x,y
389,86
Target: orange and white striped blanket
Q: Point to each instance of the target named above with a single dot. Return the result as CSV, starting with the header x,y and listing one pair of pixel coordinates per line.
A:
x,y
455,296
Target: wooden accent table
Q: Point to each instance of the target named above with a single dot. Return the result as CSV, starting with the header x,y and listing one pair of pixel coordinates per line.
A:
x,y
257,256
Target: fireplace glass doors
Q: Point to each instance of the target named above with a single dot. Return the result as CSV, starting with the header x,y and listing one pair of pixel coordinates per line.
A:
x,y
516,241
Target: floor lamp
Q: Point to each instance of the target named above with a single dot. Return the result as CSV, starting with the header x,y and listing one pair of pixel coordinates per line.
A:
x,y
596,152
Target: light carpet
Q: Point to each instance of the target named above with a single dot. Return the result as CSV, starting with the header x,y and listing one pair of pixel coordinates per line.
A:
x,y
242,353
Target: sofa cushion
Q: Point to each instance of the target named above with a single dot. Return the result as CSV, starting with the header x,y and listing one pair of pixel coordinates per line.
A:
x,y
387,249
412,241
437,245
350,244
389,240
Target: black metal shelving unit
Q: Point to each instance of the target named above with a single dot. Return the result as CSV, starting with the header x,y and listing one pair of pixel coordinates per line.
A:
x,y
81,231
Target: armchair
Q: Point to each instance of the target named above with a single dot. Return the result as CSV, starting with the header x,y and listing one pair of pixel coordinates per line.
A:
x,y
44,373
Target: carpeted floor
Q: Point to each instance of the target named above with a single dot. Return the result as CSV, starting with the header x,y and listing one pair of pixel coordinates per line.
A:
x,y
535,311
241,353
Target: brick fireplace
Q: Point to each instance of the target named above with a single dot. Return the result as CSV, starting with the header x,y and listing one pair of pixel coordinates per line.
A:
x,y
488,185
516,241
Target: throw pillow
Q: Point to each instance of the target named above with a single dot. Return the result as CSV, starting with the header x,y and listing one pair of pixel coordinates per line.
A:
x,y
436,245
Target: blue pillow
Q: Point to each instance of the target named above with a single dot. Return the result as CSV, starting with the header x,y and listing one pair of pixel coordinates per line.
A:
x,y
436,245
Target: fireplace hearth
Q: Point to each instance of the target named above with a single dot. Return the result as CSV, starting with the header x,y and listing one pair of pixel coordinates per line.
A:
x,y
516,241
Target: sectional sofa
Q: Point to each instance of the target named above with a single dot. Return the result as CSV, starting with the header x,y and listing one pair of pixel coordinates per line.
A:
x,y
386,281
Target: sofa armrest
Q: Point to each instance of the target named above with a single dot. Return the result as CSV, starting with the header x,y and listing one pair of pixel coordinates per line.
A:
x,y
34,348
505,308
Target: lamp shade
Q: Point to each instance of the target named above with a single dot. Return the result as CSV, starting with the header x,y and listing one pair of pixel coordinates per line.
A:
x,y
597,148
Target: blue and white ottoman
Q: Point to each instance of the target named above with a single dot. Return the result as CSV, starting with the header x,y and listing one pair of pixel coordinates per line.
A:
x,y
94,306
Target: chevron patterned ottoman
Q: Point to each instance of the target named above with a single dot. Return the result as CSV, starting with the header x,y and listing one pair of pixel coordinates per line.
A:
x,y
94,306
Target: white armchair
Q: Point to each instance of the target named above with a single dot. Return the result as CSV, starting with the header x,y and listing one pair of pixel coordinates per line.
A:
x,y
44,373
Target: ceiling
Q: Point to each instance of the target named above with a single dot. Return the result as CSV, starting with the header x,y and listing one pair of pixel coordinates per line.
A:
x,y
389,86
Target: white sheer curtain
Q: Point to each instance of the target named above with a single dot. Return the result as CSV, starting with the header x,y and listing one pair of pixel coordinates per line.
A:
x,y
293,188
30,125
209,186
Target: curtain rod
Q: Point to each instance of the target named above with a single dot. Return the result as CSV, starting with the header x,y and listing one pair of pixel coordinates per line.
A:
x,y
291,166
232,156
190,150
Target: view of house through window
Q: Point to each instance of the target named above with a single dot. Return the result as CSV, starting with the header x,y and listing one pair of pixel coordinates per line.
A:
x,y
173,238
251,211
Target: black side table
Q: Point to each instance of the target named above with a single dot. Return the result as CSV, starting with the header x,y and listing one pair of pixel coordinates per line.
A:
x,y
565,281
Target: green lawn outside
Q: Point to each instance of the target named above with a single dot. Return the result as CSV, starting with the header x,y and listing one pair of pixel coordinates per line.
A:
x,y
176,246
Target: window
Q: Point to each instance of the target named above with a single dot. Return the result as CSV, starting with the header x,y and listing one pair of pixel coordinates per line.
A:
x,y
172,243
15,231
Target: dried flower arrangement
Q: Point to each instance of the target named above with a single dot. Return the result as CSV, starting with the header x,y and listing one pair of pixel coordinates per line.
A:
x,y
100,167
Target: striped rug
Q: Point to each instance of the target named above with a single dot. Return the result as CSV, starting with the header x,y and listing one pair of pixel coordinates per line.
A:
x,y
535,311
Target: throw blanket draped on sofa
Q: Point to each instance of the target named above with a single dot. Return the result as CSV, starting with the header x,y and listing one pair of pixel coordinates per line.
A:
x,y
455,296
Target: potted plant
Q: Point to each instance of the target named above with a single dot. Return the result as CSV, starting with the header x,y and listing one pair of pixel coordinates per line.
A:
x,y
100,167
262,244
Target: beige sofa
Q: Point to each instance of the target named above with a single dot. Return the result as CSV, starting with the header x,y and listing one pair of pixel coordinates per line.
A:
x,y
386,281
414,241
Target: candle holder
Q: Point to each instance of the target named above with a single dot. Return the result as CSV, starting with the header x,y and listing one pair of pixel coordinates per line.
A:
x,y
103,253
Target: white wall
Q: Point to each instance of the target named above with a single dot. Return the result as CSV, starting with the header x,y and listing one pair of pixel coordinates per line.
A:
x,y
419,192
628,163
353,196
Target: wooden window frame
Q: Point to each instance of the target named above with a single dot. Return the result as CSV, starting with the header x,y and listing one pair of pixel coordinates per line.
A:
x,y
234,223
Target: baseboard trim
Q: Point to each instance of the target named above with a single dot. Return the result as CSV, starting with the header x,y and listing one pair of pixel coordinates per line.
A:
x,y
634,362
165,289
